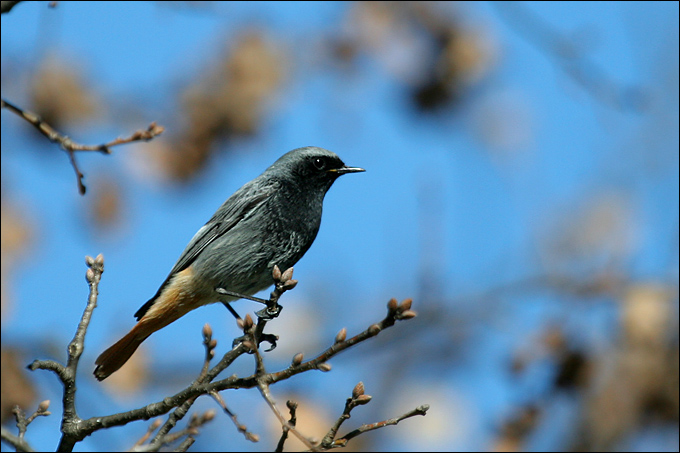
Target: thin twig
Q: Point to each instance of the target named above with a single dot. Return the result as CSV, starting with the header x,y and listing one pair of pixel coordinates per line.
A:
x,y
420,410
395,313
263,387
70,423
186,443
358,398
17,442
149,431
191,430
264,391
72,147
292,409
161,438
239,426
23,421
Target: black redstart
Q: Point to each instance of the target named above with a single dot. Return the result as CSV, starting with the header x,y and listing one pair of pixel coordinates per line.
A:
x,y
271,220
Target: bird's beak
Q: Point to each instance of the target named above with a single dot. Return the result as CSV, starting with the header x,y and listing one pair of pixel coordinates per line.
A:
x,y
343,170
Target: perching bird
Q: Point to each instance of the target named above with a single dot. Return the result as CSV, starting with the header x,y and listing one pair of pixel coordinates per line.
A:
x,y
271,220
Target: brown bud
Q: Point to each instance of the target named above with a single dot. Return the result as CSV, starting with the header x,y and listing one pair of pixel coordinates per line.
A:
x,y
89,260
287,275
89,275
341,336
325,367
42,407
374,330
99,259
358,390
362,399
207,331
240,323
406,304
212,344
297,359
290,284
209,415
156,424
211,354
249,344
247,322
253,437
276,273
392,305
408,314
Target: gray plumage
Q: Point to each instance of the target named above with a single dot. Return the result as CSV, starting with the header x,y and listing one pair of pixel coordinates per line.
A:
x,y
271,220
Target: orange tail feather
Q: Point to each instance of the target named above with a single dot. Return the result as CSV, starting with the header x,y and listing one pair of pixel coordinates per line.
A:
x,y
175,300
116,356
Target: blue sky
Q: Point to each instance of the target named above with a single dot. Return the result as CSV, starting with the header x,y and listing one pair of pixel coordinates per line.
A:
x,y
437,194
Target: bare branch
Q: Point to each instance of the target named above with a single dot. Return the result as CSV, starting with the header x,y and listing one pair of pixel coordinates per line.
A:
x,y
186,443
190,432
149,431
75,429
395,313
292,409
309,443
67,374
420,410
71,147
17,442
22,424
359,398
239,426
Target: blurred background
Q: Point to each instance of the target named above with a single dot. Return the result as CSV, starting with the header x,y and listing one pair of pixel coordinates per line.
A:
x,y
521,187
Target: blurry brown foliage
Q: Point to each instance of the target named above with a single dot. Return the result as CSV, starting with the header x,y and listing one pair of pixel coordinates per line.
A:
x,y
17,389
60,94
16,234
429,46
106,204
229,100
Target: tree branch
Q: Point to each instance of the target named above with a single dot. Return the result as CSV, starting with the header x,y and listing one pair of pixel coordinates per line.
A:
x,y
17,442
71,147
75,429
420,410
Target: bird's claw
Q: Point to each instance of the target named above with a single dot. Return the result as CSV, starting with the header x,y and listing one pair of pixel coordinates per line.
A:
x,y
268,337
269,313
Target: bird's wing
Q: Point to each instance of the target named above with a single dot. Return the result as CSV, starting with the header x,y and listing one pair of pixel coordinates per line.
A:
x,y
244,201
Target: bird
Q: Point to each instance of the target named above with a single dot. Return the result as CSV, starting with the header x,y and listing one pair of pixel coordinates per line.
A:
x,y
271,220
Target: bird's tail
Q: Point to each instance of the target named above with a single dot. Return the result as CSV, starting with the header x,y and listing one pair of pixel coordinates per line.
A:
x,y
174,301
116,356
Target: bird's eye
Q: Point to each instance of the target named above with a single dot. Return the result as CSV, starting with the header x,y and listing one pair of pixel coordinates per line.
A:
x,y
319,163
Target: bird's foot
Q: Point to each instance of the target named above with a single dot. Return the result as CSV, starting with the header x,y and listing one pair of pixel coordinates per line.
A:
x,y
269,312
268,337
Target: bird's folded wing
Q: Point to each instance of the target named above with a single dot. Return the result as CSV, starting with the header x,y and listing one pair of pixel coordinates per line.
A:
x,y
243,202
